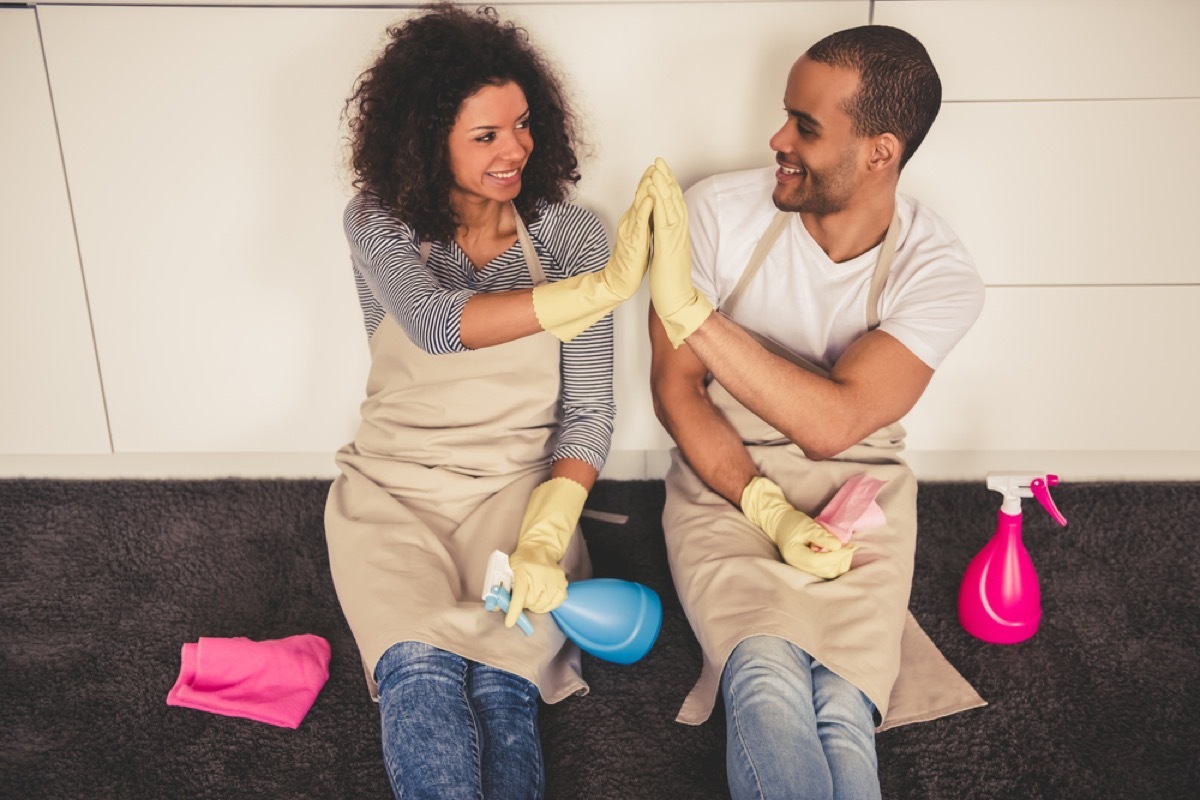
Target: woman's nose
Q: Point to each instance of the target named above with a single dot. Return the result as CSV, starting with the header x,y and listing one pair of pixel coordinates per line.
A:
x,y
517,146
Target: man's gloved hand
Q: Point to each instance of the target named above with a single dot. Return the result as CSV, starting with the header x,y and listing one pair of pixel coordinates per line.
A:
x,y
539,583
569,307
680,307
794,532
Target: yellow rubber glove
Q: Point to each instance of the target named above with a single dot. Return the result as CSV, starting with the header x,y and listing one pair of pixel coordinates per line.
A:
x,y
794,531
539,583
680,307
569,307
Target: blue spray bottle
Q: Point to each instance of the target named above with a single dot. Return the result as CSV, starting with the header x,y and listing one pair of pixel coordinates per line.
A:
x,y
611,619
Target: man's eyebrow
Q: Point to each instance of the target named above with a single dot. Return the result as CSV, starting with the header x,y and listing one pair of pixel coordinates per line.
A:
x,y
807,119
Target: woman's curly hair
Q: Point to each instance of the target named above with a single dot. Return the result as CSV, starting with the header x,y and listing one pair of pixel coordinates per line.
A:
x,y
405,104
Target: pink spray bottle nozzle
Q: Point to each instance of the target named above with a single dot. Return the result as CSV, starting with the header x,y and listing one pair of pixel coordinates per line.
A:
x,y
1040,487
1016,486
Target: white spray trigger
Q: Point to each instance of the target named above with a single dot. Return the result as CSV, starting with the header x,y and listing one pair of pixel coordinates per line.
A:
x,y
498,573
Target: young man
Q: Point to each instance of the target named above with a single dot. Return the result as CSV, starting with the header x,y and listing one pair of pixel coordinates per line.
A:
x,y
837,299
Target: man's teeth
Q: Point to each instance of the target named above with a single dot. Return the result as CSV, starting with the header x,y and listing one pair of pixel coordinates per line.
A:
x,y
790,170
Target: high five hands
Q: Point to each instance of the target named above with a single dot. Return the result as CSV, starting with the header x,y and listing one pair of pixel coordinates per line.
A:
x,y
680,307
658,214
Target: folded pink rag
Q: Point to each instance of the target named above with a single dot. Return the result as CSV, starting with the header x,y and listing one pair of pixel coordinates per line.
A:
x,y
853,507
275,681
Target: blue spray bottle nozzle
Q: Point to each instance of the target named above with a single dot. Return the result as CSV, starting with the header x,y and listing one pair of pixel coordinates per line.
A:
x,y
498,597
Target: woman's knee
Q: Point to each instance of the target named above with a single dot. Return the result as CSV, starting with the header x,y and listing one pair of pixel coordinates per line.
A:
x,y
493,686
410,659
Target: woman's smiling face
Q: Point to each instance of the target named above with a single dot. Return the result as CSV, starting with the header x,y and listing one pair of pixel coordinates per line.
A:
x,y
490,144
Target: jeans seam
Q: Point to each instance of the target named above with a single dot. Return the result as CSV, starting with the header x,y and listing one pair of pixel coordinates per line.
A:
x,y
745,752
531,697
476,744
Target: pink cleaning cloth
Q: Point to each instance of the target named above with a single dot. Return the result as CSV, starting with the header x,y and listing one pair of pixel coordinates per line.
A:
x,y
854,507
275,681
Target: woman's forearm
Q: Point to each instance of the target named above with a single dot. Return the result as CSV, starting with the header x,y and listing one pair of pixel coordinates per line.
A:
x,y
497,317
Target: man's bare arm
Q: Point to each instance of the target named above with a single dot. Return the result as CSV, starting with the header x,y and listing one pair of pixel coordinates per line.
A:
x,y
875,383
705,437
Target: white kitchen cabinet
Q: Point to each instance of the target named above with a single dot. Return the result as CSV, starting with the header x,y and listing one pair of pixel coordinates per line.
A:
x,y
1055,193
1055,49
204,152
1068,369
50,396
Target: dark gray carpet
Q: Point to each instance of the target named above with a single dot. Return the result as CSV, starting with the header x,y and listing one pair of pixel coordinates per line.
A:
x,y
104,581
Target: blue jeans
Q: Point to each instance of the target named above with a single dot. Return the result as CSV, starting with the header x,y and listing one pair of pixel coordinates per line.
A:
x,y
455,729
795,729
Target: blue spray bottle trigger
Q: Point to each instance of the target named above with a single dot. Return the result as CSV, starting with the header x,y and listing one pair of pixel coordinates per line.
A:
x,y
499,598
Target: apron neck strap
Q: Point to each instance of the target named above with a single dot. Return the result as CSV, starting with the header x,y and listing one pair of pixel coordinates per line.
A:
x,y
532,262
887,254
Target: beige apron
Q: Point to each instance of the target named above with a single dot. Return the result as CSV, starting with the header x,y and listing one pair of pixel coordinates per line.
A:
x,y
733,585
438,476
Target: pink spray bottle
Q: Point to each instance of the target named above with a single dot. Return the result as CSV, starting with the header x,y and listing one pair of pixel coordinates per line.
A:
x,y
999,600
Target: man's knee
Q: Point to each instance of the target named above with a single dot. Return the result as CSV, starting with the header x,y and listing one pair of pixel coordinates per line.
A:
x,y
768,664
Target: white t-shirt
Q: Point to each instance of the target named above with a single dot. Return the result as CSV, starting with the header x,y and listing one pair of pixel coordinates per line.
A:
x,y
814,307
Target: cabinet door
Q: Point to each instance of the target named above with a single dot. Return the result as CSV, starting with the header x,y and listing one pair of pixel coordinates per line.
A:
x,y
1055,49
1084,193
204,151
50,397
1069,369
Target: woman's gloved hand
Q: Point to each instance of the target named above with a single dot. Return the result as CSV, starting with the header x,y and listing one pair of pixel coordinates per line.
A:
x,y
569,307
551,516
680,307
794,532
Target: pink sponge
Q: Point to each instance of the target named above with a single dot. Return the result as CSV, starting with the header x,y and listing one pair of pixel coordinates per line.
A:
x,y
274,681
853,507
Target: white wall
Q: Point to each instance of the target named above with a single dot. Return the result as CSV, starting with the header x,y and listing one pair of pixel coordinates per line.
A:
x,y
203,155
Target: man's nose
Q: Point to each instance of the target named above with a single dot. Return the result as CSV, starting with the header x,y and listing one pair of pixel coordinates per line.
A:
x,y
780,142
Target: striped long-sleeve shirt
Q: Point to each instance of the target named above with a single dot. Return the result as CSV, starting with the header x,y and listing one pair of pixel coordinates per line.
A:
x,y
428,300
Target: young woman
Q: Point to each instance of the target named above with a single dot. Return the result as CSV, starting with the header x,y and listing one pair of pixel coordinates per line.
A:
x,y
489,405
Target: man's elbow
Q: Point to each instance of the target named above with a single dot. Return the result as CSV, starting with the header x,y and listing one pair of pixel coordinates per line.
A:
x,y
820,451
826,443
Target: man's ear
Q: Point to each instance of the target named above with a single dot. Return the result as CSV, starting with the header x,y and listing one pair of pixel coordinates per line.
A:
x,y
885,153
